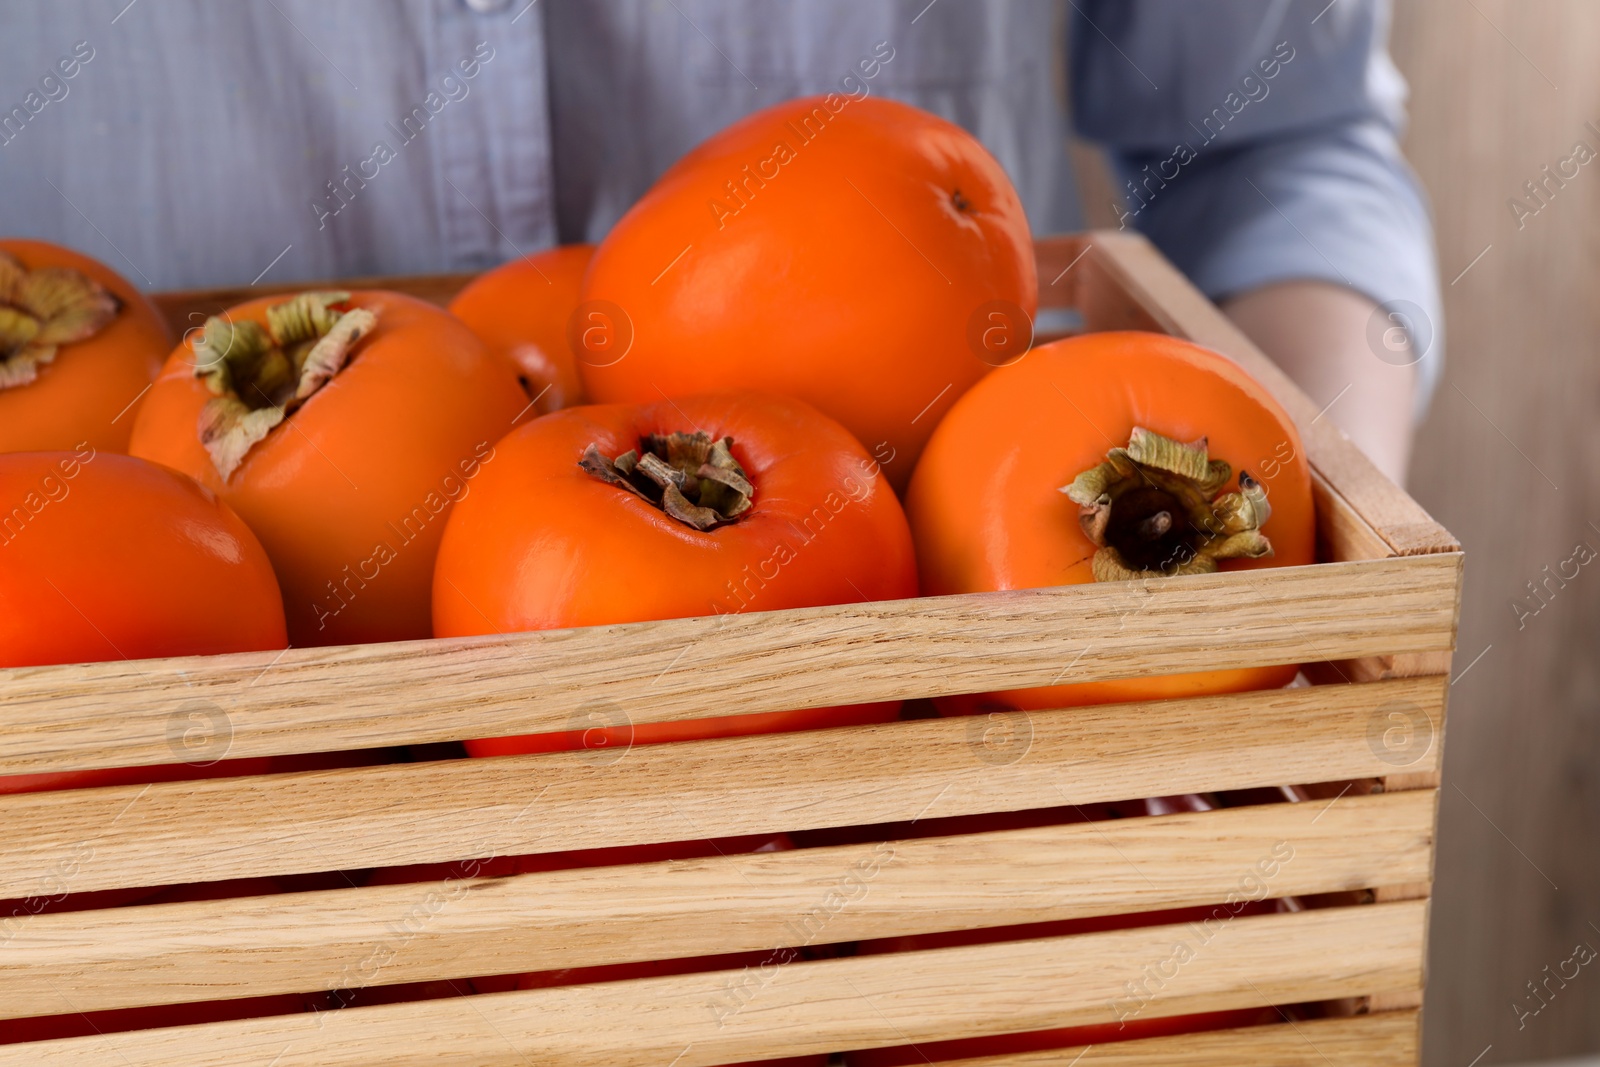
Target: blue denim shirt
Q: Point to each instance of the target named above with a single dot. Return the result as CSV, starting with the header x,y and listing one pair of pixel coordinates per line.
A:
x,y
191,144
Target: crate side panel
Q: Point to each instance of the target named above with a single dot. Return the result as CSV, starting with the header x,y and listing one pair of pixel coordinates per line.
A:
x,y
185,309
213,950
451,810
701,1020
1389,1039
368,696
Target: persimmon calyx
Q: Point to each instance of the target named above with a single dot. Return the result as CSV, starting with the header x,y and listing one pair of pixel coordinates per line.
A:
x,y
43,309
1155,508
259,375
691,477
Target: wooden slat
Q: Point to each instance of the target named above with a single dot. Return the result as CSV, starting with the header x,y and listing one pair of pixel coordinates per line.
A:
x,y
368,696
127,957
1412,778
1057,259
412,813
810,1007
187,308
1342,534
1131,270
1385,1040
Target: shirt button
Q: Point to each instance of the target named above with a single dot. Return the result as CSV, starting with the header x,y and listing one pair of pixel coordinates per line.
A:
x,y
488,7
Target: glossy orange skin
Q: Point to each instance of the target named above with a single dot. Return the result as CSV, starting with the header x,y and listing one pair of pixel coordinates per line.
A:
x,y
125,560
849,279
521,310
122,559
350,494
986,509
540,544
83,396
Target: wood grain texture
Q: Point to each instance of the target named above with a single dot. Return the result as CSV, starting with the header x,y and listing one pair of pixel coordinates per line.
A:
x,y
1341,531
187,309
366,696
449,810
1384,1040
348,938
1124,268
810,1007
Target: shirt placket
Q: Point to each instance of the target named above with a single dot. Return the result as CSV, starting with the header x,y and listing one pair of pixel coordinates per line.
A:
x,y
492,159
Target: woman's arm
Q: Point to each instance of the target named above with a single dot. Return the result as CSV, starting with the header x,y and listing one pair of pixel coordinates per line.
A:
x,y
1317,332
1256,145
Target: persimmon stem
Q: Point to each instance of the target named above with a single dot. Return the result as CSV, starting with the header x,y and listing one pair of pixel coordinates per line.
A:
x,y
1154,527
1156,508
260,374
691,477
43,309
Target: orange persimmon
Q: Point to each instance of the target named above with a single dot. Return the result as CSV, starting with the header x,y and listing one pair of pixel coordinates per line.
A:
x,y
1068,467
707,505
867,257
522,309
78,347
341,427
106,557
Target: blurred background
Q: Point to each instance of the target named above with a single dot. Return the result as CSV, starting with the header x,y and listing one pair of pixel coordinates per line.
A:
x,y
1507,461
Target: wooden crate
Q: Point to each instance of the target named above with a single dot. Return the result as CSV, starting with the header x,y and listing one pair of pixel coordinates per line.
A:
x,y
1376,622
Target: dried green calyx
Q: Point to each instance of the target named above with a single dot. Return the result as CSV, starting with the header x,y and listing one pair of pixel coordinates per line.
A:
x,y
1154,509
41,310
687,475
261,374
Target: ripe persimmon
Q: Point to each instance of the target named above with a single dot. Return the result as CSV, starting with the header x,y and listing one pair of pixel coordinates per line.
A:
x,y
522,309
1069,467
707,505
867,257
341,427
78,348
106,557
